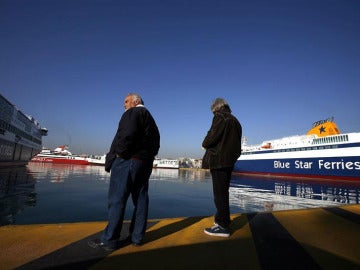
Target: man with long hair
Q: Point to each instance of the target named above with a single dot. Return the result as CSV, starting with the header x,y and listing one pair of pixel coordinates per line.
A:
x,y
223,147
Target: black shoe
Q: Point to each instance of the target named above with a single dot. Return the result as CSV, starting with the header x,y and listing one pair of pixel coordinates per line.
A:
x,y
96,243
217,230
135,244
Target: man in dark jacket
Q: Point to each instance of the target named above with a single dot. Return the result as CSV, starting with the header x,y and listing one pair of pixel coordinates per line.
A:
x,y
223,147
133,150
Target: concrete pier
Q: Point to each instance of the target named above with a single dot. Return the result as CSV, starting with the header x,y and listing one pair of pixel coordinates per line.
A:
x,y
320,238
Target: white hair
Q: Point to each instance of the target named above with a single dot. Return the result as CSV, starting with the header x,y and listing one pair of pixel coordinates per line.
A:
x,y
136,97
218,103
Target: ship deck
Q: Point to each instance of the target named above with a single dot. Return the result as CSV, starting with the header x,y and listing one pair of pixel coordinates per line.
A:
x,y
319,238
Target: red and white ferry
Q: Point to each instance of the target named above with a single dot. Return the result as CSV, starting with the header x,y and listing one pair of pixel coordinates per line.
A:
x,y
60,155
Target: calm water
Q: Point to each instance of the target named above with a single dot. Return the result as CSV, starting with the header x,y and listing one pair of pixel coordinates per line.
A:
x,y
48,193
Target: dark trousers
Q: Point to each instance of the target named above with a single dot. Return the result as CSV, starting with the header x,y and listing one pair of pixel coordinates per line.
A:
x,y
221,184
128,177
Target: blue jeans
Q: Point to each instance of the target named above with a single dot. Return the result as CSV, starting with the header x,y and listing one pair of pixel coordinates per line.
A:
x,y
128,176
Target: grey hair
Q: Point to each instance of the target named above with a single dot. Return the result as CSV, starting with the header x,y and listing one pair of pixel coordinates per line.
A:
x,y
218,104
136,97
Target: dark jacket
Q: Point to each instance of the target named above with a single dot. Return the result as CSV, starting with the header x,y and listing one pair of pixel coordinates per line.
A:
x,y
137,136
223,141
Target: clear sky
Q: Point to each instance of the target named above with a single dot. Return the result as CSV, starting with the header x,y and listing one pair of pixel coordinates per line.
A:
x,y
281,65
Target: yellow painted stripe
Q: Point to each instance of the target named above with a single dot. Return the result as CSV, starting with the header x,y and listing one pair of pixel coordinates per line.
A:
x,y
179,243
324,235
354,208
20,244
189,247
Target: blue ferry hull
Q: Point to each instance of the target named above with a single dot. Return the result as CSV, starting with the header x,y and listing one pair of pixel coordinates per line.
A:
x,y
346,168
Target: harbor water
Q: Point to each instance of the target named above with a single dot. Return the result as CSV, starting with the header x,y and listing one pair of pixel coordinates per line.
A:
x,y
42,193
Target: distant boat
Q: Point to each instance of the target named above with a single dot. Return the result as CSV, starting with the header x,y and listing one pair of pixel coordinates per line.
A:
x,y
96,160
322,153
20,135
166,163
158,162
60,155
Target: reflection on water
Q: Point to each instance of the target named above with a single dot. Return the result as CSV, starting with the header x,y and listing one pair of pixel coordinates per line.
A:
x,y
17,191
58,173
182,175
55,193
254,194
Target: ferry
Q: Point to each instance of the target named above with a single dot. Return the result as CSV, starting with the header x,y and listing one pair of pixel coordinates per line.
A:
x,y
96,160
20,135
323,152
165,163
60,155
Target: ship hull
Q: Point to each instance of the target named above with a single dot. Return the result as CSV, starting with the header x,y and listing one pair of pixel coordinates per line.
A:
x,y
20,136
15,154
61,160
338,163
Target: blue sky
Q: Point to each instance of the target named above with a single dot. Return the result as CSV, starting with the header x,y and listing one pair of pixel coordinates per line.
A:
x,y
281,65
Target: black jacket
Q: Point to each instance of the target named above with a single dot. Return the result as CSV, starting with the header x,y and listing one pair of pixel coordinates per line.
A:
x,y
223,141
137,136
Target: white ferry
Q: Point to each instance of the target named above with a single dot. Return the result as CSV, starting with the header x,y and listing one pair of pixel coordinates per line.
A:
x,y
96,160
20,135
322,153
165,163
